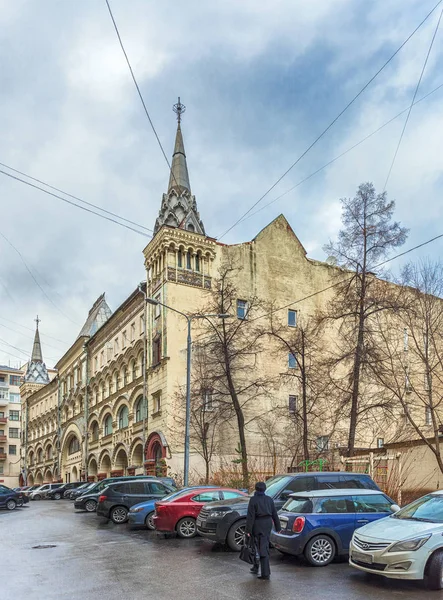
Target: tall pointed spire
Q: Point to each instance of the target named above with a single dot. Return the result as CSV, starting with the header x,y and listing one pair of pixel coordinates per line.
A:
x,y
179,178
179,208
37,349
36,371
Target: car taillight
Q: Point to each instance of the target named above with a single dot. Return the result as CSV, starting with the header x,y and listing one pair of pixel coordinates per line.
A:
x,y
102,498
298,525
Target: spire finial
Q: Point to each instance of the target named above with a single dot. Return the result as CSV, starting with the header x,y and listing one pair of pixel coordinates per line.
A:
x,y
179,109
37,320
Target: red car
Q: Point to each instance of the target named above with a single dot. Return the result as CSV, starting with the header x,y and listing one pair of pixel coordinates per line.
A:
x,y
180,513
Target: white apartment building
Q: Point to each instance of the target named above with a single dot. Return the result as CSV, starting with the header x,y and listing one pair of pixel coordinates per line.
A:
x,y
10,425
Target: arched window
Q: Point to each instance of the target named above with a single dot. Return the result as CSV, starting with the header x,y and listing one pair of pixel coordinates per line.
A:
x,y
116,381
141,409
74,446
48,452
95,431
125,376
134,370
108,425
197,262
188,260
123,417
39,455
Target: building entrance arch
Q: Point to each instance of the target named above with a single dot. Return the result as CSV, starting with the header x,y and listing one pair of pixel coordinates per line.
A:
x,y
155,455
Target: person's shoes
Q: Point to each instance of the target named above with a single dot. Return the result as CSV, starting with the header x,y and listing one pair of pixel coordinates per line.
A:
x,y
265,577
254,570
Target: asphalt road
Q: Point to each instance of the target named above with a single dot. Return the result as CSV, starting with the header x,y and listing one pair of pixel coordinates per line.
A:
x,y
92,559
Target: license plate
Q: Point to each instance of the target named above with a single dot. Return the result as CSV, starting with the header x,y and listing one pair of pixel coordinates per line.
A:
x,y
361,557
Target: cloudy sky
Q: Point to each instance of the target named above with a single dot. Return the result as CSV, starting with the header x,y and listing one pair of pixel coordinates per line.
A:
x,y
260,81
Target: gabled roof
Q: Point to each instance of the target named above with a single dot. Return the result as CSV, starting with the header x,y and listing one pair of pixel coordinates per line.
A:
x,y
98,315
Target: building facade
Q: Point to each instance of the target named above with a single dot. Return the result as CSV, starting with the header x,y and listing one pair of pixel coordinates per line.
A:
x,y
116,405
10,425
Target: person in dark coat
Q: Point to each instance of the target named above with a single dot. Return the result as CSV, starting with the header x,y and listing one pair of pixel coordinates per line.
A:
x,y
261,514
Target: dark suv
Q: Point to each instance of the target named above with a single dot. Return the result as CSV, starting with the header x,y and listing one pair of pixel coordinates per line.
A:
x,y
224,521
62,491
116,500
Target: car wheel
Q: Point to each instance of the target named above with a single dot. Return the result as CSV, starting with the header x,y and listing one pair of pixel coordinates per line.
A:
x,y
91,506
119,514
11,504
37,497
20,502
434,570
320,551
187,528
149,521
236,536
57,496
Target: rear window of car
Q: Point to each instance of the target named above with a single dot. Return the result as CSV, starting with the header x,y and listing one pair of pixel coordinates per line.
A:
x,y
298,505
374,503
335,505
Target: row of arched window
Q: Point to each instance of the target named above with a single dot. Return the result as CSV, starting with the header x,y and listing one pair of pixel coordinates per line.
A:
x,y
140,413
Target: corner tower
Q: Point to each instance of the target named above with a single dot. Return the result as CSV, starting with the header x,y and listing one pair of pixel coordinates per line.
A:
x,y
178,207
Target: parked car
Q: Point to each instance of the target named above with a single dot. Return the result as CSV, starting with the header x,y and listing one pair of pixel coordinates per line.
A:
x,y
28,491
42,492
224,522
62,491
22,488
10,499
180,514
407,545
76,492
319,525
141,515
168,480
116,500
88,501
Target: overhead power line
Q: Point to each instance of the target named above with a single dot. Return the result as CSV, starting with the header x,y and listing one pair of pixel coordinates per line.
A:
x,y
341,155
42,335
413,101
330,287
319,137
28,336
108,212
37,187
34,279
139,92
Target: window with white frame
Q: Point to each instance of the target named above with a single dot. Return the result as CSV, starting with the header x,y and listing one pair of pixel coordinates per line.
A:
x,y
208,401
428,416
157,402
242,309
380,442
322,443
292,318
292,360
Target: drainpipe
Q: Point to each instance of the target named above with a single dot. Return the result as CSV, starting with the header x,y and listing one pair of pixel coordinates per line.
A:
x,y
145,380
25,458
59,426
86,408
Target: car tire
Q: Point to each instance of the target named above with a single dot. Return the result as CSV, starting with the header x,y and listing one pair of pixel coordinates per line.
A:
x,y
320,550
119,514
57,496
149,521
11,504
90,506
37,497
186,528
236,535
434,571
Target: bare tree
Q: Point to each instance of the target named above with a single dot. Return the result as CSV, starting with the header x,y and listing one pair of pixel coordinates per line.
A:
x,y
367,237
410,363
302,343
232,349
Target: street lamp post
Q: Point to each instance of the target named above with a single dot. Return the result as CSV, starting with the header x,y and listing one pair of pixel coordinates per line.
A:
x,y
189,319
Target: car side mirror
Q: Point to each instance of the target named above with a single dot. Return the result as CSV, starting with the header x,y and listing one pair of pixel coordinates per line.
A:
x,y
395,508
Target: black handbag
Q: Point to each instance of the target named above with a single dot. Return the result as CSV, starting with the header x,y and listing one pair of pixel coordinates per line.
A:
x,y
247,553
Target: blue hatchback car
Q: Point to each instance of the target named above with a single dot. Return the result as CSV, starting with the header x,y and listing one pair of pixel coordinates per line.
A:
x,y
319,525
140,515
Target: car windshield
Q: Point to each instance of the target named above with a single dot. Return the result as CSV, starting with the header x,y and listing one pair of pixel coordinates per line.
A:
x,y
428,509
298,505
275,484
